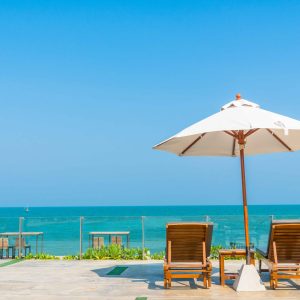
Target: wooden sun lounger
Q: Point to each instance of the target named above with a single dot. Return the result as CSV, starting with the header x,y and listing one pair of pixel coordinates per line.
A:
x,y
283,253
187,252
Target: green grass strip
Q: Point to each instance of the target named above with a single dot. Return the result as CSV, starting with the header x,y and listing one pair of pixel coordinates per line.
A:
x,y
141,298
11,262
117,271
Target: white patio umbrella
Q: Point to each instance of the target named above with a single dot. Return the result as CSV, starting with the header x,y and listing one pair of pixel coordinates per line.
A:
x,y
240,128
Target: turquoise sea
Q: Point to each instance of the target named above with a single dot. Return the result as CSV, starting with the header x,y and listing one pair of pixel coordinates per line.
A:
x,y
61,225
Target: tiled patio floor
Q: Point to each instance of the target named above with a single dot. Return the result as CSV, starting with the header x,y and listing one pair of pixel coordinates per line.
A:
x,y
88,280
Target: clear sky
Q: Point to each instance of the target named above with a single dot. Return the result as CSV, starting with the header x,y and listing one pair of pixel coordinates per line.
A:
x,y
88,87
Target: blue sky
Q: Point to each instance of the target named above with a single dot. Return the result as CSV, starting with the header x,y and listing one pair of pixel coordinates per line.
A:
x,y
88,87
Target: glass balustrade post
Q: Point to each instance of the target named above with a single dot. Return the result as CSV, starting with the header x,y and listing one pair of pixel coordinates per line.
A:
x,y
81,219
143,237
21,219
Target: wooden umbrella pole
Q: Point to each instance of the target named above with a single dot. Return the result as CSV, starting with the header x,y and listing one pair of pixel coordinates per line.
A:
x,y
242,143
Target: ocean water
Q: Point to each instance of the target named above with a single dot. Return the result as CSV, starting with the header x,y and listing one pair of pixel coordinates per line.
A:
x,y
61,225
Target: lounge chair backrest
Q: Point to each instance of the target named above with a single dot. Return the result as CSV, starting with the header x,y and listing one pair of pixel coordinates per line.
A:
x,y
116,239
22,243
3,243
98,242
285,236
188,241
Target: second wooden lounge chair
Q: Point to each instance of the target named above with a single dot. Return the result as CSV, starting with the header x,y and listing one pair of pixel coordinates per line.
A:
x,y
187,252
283,253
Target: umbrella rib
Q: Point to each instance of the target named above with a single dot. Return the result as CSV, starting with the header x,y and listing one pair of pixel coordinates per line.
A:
x,y
251,132
233,146
192,144
279,139
230,133
234,135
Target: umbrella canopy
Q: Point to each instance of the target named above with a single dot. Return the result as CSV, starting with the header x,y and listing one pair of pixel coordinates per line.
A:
x,y
265,132
240,128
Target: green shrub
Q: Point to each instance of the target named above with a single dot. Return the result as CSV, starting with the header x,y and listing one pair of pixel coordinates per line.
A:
x,y
158,255
214,251
40,256
117,252
71,257
114,252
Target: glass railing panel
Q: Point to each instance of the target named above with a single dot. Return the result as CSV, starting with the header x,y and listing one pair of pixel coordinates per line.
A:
x,y
229,231
131,227
60,234
9,224
155,229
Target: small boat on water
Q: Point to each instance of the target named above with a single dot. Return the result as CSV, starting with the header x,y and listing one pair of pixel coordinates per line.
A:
x,y
26,209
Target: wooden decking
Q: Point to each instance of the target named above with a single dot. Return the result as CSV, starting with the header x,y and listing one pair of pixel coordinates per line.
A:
x,y
89,280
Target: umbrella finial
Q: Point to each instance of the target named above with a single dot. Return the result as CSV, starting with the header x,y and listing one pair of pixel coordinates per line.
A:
x,y
238,96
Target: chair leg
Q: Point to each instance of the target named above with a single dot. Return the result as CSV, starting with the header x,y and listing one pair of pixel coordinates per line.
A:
x,y
272,281
27,250
165,283
205,280
209,270
271,284
166,276
170,282
165,279
275,279
276,283
1,253
209,279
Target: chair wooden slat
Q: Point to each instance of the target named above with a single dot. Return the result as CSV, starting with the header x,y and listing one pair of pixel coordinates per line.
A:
x,y
4,243
116,239
98,242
